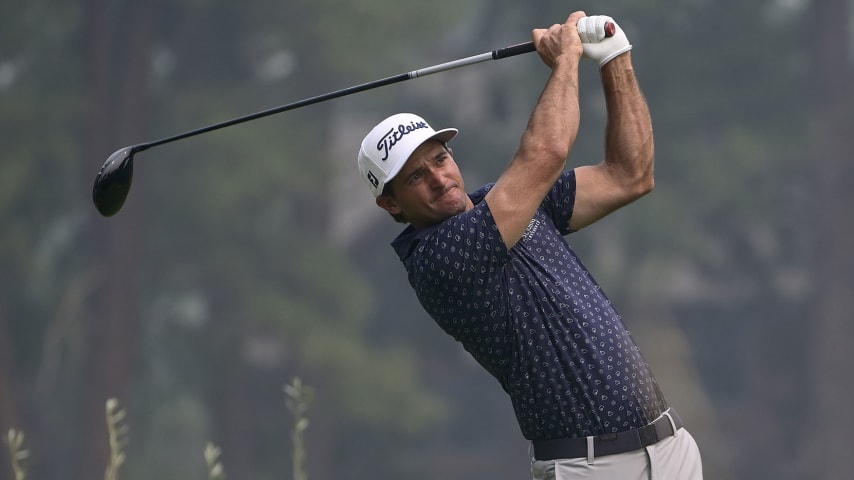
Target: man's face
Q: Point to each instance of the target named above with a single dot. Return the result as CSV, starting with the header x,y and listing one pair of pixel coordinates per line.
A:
x,y
429,188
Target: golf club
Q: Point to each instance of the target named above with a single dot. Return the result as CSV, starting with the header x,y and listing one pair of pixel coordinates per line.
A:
x,y
113,181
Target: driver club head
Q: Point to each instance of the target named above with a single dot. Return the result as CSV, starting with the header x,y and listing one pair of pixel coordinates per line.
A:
x,y
112,183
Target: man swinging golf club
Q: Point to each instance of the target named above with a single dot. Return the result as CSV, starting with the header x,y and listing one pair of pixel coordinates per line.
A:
x,y
494,270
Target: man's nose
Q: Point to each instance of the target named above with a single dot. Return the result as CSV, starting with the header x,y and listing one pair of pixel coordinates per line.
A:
x,y
435,178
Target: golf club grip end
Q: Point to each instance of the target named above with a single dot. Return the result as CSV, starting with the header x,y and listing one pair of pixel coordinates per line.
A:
x,y
610,29
513,50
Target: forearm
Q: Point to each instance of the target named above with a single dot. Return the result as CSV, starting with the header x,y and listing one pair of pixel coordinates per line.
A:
x,y
550,134
553,125
629,145
541,157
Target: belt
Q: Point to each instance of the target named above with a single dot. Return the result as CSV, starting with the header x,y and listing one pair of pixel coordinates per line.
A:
x,y
609,444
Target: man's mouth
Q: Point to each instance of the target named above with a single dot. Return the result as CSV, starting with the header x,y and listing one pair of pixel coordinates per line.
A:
x,y
445,192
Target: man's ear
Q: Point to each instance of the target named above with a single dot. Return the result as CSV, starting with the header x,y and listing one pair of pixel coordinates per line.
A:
x,y
388,203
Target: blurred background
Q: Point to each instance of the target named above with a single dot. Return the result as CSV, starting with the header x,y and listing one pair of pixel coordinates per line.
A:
x,y
252,255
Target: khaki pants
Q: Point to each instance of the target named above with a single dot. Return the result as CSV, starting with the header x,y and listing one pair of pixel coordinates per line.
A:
x,y
674,458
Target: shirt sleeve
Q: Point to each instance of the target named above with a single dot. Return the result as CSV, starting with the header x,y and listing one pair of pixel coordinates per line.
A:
x,y
560,201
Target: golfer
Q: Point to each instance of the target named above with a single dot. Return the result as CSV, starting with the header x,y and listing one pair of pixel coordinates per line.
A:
x,y
494,270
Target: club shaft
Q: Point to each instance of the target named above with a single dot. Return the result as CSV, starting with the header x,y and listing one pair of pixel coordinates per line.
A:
x,y
494,55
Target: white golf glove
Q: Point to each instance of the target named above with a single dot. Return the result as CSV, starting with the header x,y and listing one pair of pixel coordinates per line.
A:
x,y
596,45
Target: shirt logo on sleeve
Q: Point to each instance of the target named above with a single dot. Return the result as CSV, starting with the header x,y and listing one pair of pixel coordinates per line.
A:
x,y
532,229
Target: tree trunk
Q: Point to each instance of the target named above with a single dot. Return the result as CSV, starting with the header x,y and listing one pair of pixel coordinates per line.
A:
x,y
831,431
118,49
8,389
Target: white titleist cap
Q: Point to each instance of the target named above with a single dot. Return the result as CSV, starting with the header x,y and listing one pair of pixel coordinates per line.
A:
x,y
386,148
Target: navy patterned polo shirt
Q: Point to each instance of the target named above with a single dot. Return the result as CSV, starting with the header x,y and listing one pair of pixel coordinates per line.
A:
x,y
535,318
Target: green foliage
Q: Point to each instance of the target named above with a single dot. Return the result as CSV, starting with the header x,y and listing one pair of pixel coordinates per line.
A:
x,y
118,438
215,469
298,399
18,455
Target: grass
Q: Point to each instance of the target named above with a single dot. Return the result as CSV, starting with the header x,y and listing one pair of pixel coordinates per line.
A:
x,y
298,397
118,435
215,469
17,453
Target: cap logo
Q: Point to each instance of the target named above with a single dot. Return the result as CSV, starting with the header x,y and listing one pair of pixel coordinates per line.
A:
x,y
390,139
373,179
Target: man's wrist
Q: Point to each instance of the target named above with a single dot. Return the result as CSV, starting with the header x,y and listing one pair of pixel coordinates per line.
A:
x,y
622,61
566,64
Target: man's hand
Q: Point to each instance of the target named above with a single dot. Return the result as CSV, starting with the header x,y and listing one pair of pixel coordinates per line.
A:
x,y
559,41
591,29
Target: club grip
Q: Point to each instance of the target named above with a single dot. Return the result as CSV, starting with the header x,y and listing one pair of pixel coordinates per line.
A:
x,y
528,47
513,50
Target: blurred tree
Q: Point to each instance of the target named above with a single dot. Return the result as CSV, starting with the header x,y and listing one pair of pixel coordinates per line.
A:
x,y
254,271
244,258
831,420
115,78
